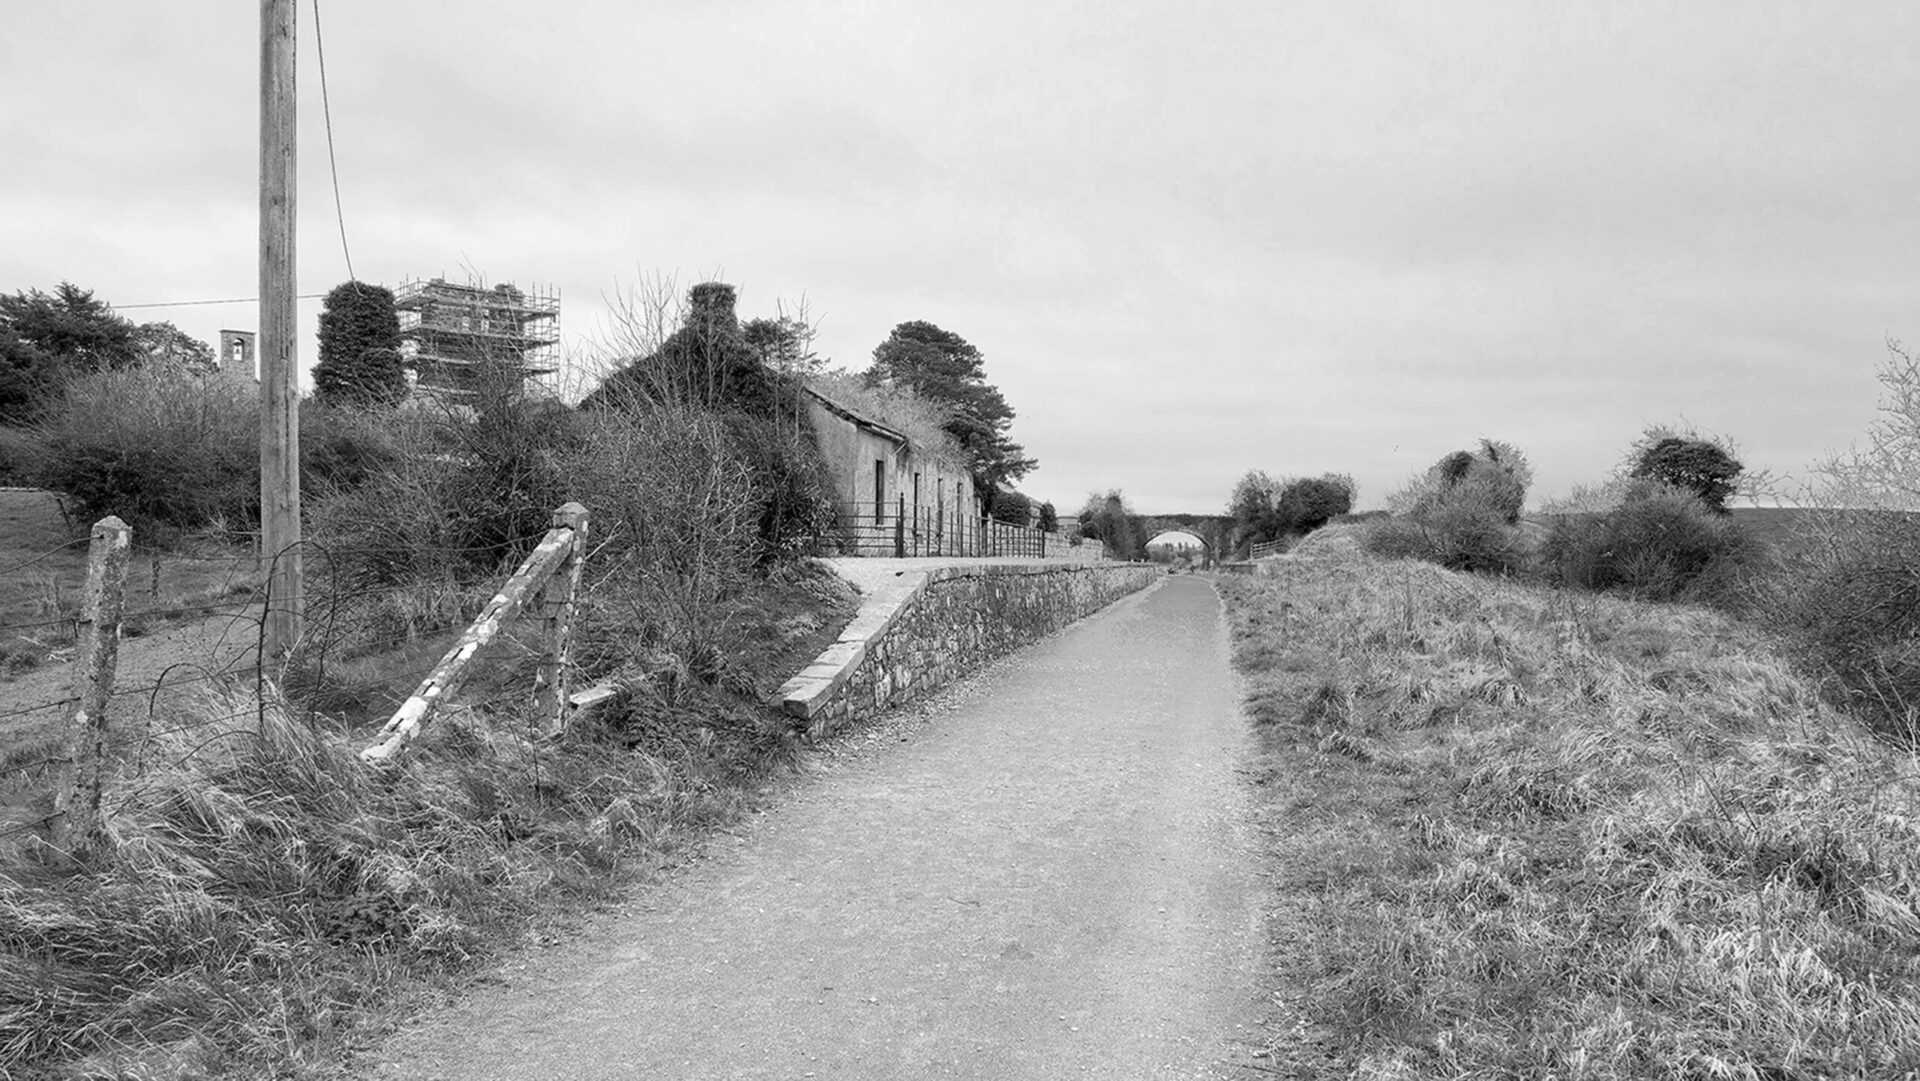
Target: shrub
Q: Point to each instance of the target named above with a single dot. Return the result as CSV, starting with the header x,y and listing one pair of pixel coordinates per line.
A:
x,y
1307,503
1463,513
1698,466
675,519
1853,598
1459,535
162,450
792,488
474,489
1493,479
344,448
1010,507
1661,543
1853,604
1110,520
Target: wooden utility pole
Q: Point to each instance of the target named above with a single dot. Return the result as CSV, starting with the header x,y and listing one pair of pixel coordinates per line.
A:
x,y
279,371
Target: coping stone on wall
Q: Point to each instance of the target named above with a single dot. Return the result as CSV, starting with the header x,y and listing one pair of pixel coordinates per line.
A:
x,y
802,695
814,686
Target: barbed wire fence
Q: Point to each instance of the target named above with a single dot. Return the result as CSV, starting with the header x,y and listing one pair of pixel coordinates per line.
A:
x,y
87,731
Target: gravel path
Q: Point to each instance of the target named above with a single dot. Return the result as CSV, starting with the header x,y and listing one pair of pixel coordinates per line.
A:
x,y
1053,877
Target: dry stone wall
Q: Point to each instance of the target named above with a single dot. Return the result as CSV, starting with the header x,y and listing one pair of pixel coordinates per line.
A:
x,y
924,634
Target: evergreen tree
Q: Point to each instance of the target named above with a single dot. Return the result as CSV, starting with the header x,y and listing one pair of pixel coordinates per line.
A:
x,y
360,362
941,366
47,339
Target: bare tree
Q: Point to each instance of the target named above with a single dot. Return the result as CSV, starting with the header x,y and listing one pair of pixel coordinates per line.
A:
x,y
1885,473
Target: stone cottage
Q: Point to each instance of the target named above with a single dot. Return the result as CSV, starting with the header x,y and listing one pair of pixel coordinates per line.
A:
x,y
891,495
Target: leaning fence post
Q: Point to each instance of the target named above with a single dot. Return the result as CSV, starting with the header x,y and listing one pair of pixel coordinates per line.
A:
x,y
900,530
447,676
76,793
557,600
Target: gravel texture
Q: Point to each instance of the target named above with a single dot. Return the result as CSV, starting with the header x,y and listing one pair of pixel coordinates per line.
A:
x,y
1047,871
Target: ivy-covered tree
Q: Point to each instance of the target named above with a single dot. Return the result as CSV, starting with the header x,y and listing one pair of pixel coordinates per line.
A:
x,y
941,366
360,362
46,339
708,361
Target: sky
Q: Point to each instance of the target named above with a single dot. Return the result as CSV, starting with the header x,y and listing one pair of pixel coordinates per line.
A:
x,y
1190,239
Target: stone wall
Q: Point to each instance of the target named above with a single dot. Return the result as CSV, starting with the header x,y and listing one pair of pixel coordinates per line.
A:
x,y
925,633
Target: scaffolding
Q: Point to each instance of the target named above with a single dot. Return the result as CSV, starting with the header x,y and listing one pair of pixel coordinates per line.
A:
x,y
458,336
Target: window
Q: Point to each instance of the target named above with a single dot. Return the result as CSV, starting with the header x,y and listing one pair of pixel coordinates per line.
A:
x,y
880,489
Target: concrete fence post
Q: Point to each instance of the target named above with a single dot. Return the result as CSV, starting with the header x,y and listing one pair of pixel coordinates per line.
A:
x,y
557,602
76,794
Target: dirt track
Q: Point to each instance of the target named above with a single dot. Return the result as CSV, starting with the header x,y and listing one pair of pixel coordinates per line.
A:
x,y
1052,877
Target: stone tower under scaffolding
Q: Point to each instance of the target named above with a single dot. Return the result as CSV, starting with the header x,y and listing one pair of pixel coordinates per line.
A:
x,y
457,337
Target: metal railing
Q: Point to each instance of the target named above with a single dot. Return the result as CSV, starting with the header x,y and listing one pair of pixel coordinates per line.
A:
x,y
901,531
1263,549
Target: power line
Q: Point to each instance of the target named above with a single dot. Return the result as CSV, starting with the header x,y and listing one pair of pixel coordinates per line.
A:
x,y
333,164
201,303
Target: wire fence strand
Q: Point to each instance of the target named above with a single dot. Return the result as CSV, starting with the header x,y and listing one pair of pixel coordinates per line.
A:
x,y
48,554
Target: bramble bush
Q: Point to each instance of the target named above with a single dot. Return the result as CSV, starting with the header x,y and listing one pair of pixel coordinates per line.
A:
x,y
163,451
169,451
1463,513
1660,543
1853,603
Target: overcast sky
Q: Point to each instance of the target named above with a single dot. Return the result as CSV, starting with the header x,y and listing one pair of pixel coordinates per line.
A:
x,y
1190,239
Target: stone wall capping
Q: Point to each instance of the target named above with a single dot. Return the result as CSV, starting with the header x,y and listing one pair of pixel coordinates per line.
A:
x,y
928,624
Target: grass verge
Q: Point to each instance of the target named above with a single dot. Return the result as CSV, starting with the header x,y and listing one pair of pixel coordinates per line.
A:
x,y
1524,833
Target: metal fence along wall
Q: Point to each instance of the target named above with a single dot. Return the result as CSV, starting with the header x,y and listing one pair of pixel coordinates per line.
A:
x,y
901,531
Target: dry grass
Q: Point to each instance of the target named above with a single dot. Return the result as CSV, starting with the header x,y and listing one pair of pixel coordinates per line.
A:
x,y
43,574
262,891
1534,834
265,901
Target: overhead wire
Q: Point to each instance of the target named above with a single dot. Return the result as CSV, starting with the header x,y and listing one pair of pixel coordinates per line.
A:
x,y
201,303
333,164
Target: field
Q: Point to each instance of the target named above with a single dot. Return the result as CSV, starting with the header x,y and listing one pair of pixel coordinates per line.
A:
x,y
43,573
1523,833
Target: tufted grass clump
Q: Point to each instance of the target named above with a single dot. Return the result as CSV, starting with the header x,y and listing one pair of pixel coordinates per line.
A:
x,y
1529,833
260,897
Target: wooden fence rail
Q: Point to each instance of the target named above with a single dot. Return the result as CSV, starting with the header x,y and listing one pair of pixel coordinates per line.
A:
x,y
549,580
